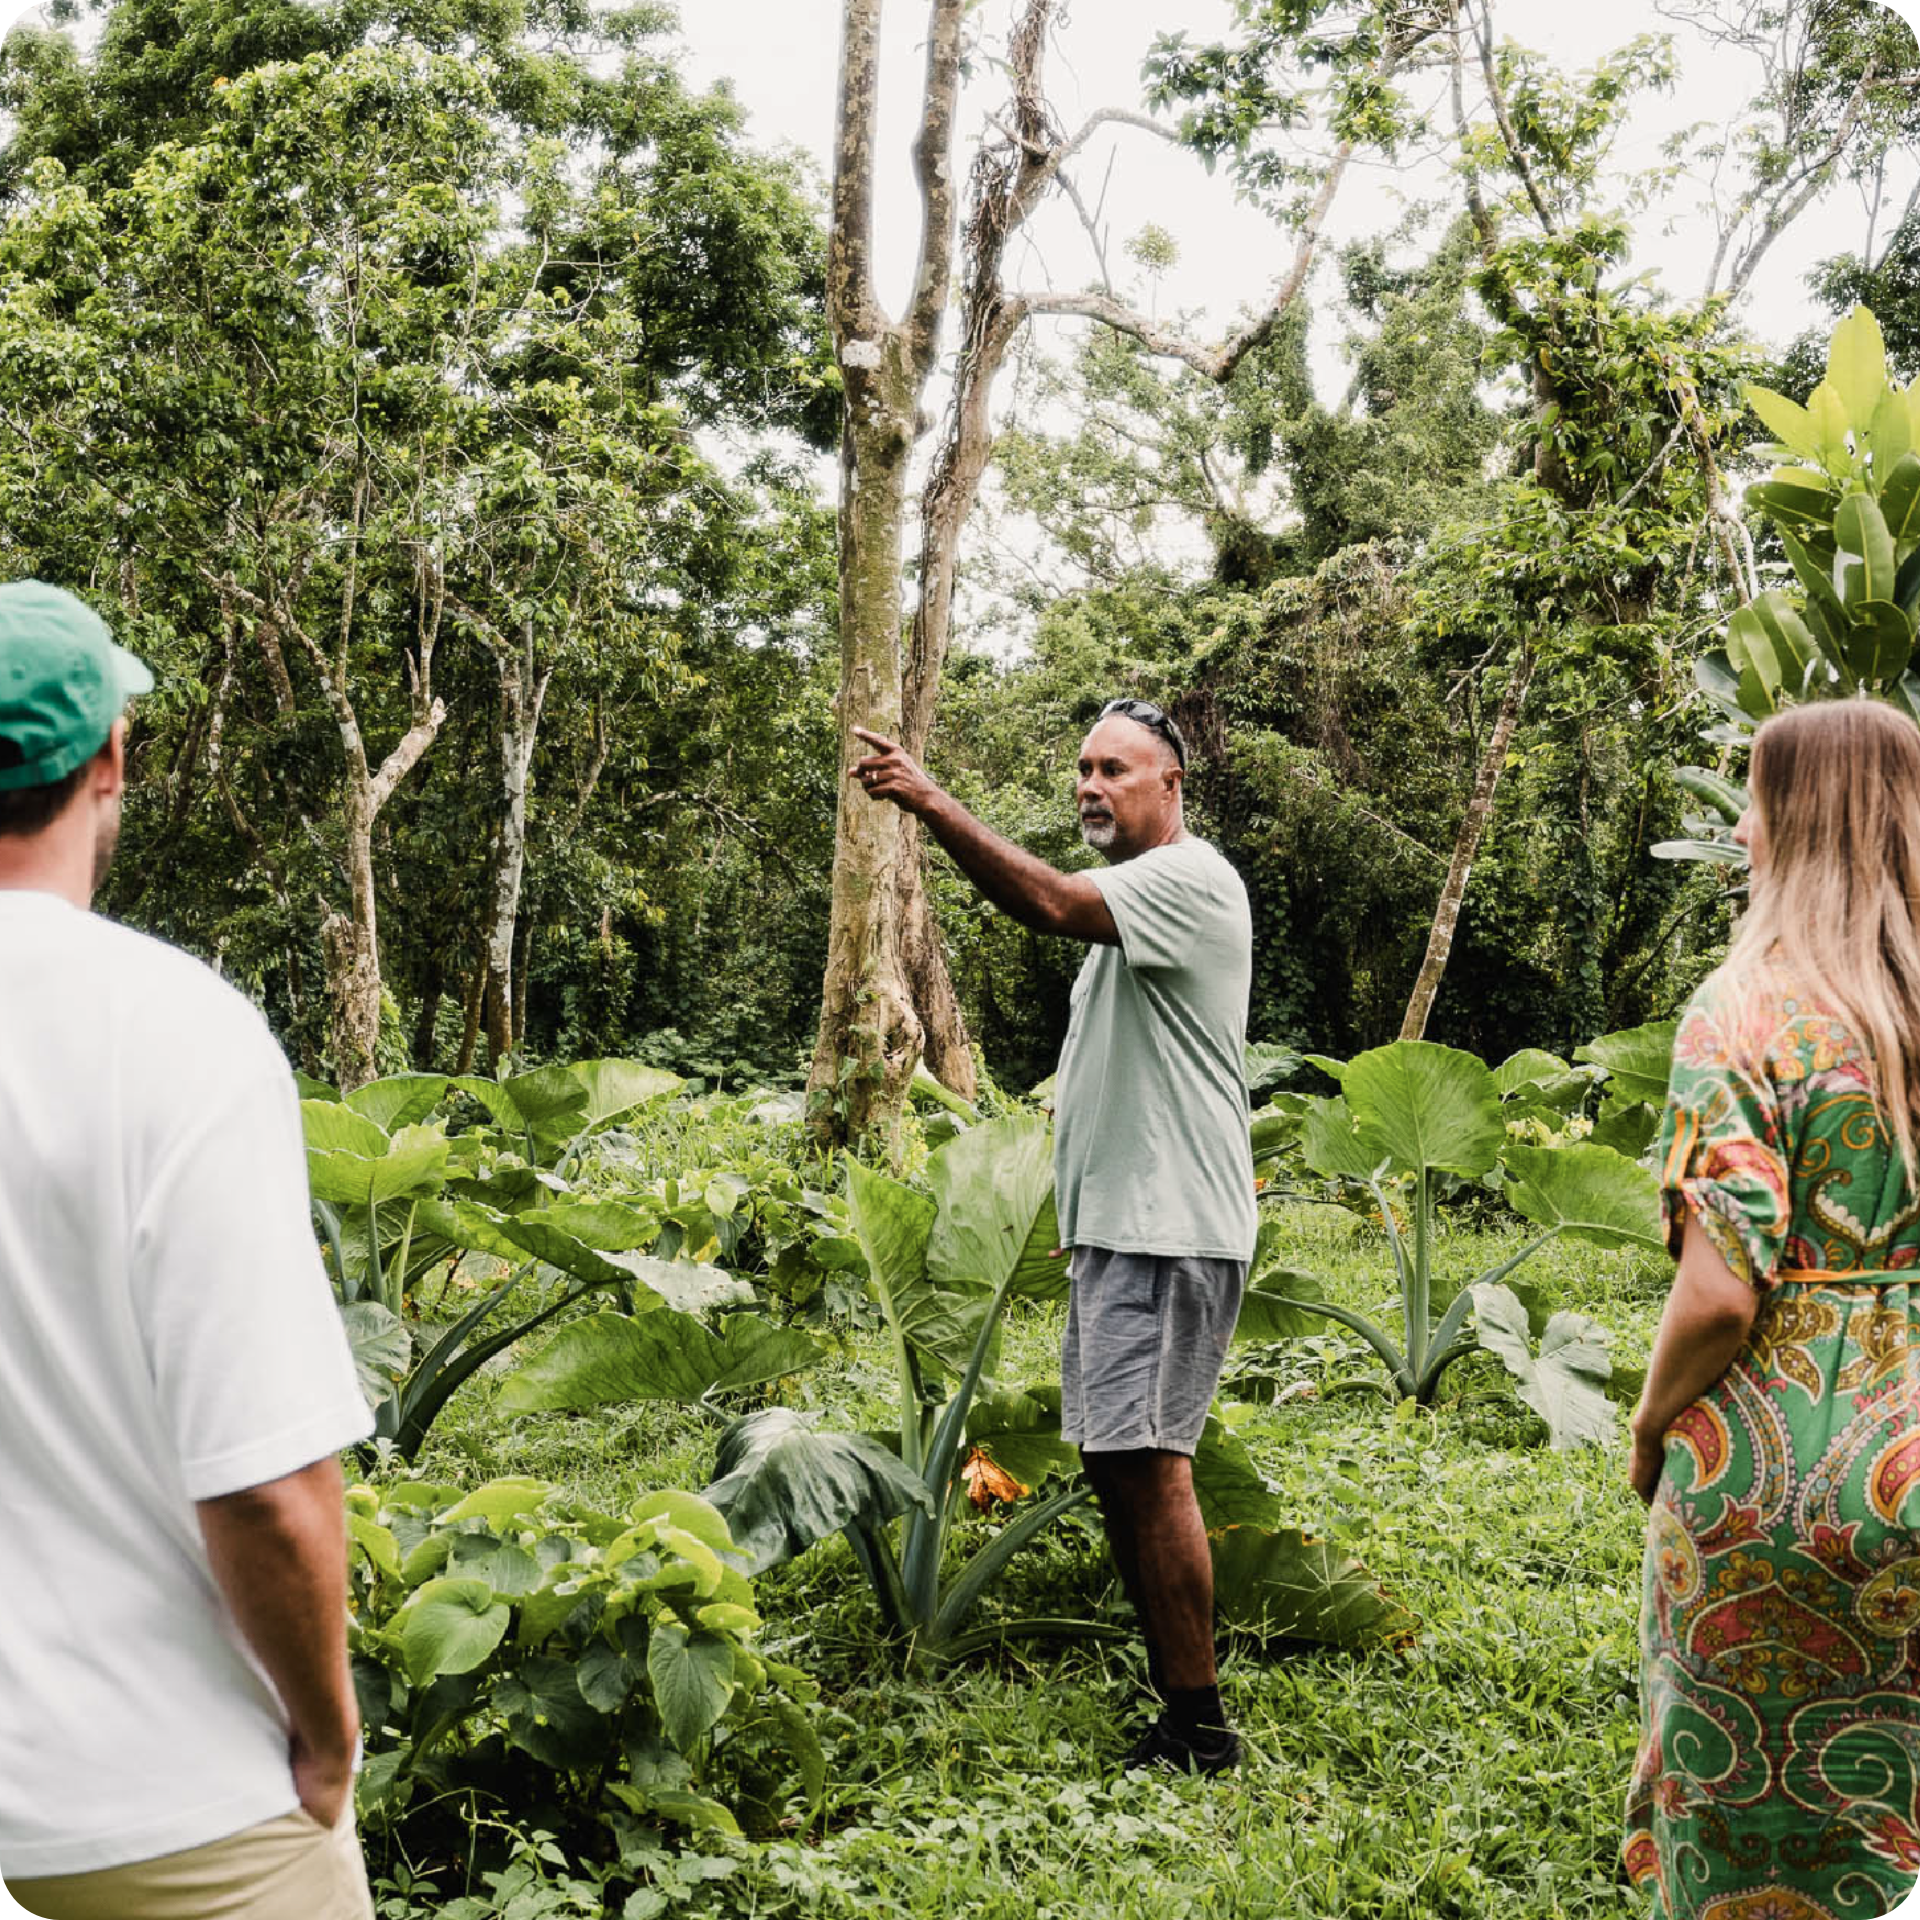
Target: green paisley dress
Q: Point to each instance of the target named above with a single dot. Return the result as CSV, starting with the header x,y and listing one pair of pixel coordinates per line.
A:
x,y
1778,1776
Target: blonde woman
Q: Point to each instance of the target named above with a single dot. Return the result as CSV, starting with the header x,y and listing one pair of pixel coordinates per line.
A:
x,y
1778,1438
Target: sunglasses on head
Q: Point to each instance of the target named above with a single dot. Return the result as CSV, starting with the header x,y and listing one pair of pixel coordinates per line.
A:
x,y
1145,713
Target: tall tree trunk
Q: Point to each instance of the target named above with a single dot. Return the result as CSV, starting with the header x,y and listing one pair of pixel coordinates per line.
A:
x,y
523,692
1465,846
870,1035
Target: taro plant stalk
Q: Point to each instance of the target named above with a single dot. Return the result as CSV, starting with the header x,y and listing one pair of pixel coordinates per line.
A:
x,y
1421,1112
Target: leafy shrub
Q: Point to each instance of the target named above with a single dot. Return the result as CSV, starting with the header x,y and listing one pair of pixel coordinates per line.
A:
x,y
522,1661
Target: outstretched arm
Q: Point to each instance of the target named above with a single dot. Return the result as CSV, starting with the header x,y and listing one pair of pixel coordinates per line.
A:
x,y
1035,894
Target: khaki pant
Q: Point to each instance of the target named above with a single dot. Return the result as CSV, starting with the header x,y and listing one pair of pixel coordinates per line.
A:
x,y
291,1868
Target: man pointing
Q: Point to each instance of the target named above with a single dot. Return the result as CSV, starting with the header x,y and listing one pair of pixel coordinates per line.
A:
x,y
1152,1167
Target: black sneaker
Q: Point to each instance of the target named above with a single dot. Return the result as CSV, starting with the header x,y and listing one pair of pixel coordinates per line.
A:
x,y
1163,1745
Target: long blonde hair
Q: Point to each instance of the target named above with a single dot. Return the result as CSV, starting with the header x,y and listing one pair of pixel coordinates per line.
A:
x,y
1836,788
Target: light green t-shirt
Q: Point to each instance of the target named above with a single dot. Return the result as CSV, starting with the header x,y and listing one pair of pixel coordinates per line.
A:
x,y
1150,1148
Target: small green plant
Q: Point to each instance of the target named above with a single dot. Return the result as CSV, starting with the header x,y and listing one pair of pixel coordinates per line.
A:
x,y
512,1649
1412,1114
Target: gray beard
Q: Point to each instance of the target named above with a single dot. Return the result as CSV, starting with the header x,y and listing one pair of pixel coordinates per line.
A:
x,y
1098,834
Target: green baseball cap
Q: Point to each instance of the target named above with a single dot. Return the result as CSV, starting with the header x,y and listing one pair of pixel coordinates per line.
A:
x,y
63,683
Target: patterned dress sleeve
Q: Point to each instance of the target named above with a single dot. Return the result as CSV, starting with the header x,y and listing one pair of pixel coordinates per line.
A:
x,y
1723,1151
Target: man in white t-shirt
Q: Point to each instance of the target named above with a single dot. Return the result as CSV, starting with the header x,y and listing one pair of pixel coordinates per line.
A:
x,y
177,1718
1153,1169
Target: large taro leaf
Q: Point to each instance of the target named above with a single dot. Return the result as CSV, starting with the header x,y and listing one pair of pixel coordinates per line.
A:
x,y
1590,1192
331,1126
1020,1432
1332,1143
1278,1584
516,1237
412,1163
1267,1308
450,1626
690,1285
893,1224
615,1087
400,1100
1421,1105
605,1224
1231,1490
1637,1060
382,1348
1565,1383
995,1225
664,1355
692,1675
782,1484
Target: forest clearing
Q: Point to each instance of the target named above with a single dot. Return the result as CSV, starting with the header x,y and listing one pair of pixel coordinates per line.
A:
x,y
671,868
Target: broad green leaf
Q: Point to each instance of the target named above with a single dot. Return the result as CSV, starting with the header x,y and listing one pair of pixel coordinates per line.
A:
x,y
1589,1192
680,1805
1278,1584
548,1715
1830,424
605,1225
450,1626
493,1096
400,1100
1332,1144
1857,368
1020,1431
1785,419
1724,852
686,1511
1726,799
893,1224
615,1087
1900,497
1879,643
331,1126
412,1164
1531,1066
1790,506
500,1500
994,1224
382,1348
1627,1127
376,1542
1565,1383
1231,1490
1426,1106
781,1484
608,1358
1275,1128
506,1566
311,1089
1637,1059
1861,529
517,1237
1906,584
1269,1308
1268,1064
1751,650
690,1285
1795,651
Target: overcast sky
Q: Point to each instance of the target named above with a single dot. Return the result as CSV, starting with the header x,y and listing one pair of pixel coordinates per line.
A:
x,y
780,57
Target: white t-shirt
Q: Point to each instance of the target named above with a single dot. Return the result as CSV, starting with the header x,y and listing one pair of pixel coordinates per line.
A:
x,y
167,1335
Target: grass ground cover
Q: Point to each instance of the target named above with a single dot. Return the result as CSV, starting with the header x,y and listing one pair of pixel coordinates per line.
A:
x,y
1477,1771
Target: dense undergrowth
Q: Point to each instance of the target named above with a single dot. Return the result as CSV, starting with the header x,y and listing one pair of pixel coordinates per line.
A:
x,y
1476,1770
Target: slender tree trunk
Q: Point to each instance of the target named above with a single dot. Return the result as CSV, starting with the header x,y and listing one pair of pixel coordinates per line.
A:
x,y
472,1003
870,1035
1465,846
523,693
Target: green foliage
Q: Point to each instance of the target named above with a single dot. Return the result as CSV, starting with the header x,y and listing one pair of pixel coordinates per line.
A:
x,y
394,1206
1413,1112
945,1266
1844,504
513,1648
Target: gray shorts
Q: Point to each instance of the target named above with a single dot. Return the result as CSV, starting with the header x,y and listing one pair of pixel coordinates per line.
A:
x,y
1146,1338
